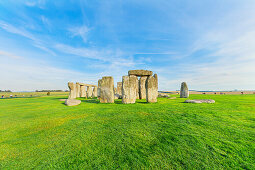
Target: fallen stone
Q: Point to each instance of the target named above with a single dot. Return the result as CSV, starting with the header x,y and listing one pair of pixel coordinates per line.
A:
x,y
152,89
140,72
72,102
107,90
172,98
62,100
129,92
200,101
184,92
163,95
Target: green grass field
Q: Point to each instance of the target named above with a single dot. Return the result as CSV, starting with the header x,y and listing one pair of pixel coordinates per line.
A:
x,y
43,133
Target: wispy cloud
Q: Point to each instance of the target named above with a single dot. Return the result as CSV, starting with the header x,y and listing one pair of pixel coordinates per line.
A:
x,y
80,31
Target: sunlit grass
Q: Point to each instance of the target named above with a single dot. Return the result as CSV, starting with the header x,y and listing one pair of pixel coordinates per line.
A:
x,y
42,132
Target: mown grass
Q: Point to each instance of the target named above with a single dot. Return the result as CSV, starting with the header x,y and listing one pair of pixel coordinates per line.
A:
x,y
44,133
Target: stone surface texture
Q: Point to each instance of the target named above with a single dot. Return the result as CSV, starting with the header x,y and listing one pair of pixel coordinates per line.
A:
x,y
72,88
94,93
119,88
99,87
163,95
89,91
106,90
184,92
200,101
78,90
152,89
72,102
129,93
142,88
83,91
140,72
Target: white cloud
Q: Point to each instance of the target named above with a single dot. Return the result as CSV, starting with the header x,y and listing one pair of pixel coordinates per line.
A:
x,y
81,31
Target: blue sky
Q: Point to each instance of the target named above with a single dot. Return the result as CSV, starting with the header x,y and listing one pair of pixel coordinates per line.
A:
x,y
209,44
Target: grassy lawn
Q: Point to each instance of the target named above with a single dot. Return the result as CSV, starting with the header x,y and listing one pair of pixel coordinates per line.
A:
x,y
42,132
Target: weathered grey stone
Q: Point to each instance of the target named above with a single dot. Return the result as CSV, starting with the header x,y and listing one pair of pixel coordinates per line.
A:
x,y
106,90
83,91
184,92
200,101
142,88
152,89
140,72
78,90
137,88
72,88
99,87
129,84
89,91
119,88
94,93
117,96
163,95
72,102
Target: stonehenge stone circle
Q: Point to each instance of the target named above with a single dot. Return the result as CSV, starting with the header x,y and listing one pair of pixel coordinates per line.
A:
x,y
140,72
78,90
89,91
152,89
129,85
184,92
83,91
107,90
72,88
94,93
142,88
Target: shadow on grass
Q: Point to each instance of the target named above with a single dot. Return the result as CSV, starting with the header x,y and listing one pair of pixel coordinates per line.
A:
x,y
90,101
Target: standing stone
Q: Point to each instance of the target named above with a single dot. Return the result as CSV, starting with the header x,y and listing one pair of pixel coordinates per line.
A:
x,y
72,88
78,90
119,88
152,89
99,87
129,89
137,88
94,93
115,90
83,91
142,88
106,90
184,92
89,91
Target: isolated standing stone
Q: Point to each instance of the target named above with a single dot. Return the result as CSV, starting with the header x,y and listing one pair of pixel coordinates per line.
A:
x,y
184,92
94,94
78,90
89,91
99,87
142,88
129,84
72,102
72,88
83,91
152,89
106,90
119,88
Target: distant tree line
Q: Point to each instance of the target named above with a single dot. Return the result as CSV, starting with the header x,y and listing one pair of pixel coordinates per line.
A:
x,y
51,91
5,91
